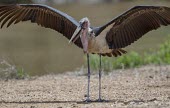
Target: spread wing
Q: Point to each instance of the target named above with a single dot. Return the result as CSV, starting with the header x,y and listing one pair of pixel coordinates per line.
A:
x,y
42,15
134,23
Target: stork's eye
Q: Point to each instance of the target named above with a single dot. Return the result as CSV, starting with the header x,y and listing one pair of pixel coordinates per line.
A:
x,y
82,25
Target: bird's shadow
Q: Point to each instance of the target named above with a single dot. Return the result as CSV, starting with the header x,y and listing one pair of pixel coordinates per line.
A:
x,y
78,102
82,102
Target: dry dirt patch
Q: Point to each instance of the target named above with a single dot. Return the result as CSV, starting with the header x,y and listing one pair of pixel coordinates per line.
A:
x,y
148,86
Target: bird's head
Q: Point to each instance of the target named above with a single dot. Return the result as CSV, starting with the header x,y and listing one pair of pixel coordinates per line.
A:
x,y
85,22
83,32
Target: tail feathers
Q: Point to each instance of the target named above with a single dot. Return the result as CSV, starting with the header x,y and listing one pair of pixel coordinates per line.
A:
x,y
115,53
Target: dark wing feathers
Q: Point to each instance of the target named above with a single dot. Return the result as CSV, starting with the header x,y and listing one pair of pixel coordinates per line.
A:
x,y
126,28
134,23
42,15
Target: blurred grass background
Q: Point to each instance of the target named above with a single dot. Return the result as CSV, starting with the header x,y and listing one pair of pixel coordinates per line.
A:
x,y
34,50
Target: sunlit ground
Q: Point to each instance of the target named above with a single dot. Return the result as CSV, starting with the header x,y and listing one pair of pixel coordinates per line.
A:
x,y
39,51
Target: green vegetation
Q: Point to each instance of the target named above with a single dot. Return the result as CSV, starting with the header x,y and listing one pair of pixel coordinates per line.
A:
x,y
8,71
134,59
21,74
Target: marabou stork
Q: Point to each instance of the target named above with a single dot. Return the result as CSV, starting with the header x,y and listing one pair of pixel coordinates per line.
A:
x,y
122,30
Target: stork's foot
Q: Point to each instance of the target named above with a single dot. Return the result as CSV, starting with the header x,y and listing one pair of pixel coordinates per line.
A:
x,y
98,100
101,100
87,98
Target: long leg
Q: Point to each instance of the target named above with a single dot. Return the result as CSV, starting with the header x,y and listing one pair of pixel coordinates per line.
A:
x,y
88,86
100,79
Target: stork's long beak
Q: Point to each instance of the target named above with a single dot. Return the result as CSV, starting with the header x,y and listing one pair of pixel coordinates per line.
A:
x,y
76,33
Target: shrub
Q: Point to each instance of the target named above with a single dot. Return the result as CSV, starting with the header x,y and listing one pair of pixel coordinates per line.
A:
x,y
9,71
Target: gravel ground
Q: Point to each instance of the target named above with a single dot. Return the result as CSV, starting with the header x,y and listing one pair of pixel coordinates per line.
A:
x,y
144,87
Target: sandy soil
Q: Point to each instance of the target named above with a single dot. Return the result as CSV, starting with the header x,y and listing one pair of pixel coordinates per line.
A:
x,y
144,87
